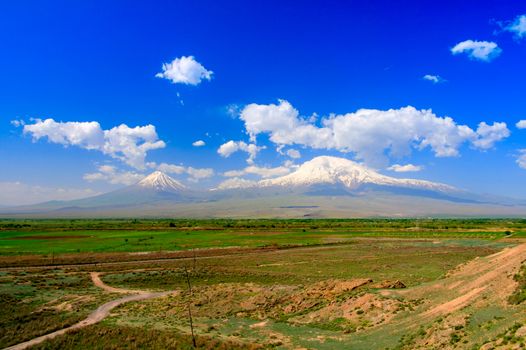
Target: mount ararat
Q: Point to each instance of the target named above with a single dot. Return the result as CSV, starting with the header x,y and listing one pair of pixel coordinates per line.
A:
x,y
322,187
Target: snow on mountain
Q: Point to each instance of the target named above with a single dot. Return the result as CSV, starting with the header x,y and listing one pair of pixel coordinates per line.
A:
x,y
325,170
161,182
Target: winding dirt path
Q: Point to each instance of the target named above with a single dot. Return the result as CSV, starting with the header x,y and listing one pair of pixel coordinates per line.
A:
x,y
95,277
99,314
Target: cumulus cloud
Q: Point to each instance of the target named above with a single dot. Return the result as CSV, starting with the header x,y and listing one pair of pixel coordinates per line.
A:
x,y
171,168
435,79
488,135
130,145
18,193
259,171
478,50
405,168
230,147
194,173
198,143
292,153
111,174
368,133
521,159
200,173
517,27
185,70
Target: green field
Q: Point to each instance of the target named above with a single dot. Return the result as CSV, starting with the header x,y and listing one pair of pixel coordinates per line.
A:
x,y
98,236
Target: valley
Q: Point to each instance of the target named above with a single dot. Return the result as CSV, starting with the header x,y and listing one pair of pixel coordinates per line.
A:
x,y
286,284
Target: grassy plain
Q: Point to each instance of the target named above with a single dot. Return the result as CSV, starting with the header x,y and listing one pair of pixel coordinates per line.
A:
x,y
315,284
98,236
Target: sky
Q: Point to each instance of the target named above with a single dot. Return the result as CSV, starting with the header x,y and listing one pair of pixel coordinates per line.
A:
x,y
95,95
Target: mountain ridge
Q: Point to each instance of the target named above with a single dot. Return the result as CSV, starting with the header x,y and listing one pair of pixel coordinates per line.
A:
x,y
322,187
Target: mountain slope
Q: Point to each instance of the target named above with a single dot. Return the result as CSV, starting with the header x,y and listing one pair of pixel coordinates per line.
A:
x,y
336,173
156,187
351,175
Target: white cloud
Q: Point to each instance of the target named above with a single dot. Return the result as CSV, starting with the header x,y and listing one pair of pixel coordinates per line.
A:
x,y
232,110
201,173
111,174
292,153
17,123
130,145
17,193
435,79
171,168
478,50
88,135
234,173
194,173
521,124
198,143
290,164
259,171
405,168
521,159
185,70
234,183
230,147
181,102
518,27
488,135
369,133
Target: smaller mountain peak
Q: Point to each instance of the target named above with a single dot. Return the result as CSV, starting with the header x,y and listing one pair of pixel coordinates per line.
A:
x,y
161,182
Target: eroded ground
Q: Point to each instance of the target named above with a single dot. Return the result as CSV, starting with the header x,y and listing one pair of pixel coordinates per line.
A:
x,y
364,294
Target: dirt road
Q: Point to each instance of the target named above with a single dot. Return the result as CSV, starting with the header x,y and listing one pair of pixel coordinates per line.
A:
x,y
95,277
99,314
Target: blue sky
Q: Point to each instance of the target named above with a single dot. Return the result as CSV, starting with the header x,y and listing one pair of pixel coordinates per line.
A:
x,y
97,62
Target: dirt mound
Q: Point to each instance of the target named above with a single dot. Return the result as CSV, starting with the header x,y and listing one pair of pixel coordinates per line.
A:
x,y
263,302
355,313
390,285
331,288
321,292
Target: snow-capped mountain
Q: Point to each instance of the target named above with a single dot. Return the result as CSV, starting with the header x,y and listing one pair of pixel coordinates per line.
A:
x,y
154,188
322,187
159,181
327,170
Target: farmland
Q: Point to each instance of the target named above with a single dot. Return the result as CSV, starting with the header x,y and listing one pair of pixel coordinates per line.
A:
x,y
315,284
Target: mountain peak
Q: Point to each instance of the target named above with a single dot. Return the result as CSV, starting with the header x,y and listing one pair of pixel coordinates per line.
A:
x,y
334,165
159,181
335,170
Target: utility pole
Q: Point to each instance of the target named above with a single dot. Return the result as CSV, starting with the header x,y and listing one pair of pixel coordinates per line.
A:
x,y
189,309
